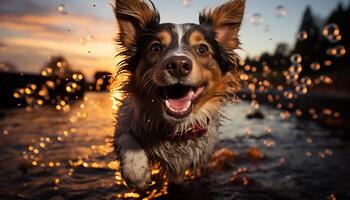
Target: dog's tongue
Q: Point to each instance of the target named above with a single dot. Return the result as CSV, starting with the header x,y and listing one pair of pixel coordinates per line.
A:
x,y
182,104
179,104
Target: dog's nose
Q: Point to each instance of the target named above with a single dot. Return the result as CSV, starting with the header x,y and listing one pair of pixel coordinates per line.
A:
x,y
179,66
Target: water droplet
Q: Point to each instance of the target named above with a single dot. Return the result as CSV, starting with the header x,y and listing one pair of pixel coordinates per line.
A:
x,y
30,88
295,68
186,3
293,73
332,33
332,197
302,35
315,66
296,58
89,37
255,105
281,11
308,154
306,80
56,181
18,93
72,87
288,94
256,19
82,41
337,51
267,130
5,132
301,89
326,79
62,9
268,28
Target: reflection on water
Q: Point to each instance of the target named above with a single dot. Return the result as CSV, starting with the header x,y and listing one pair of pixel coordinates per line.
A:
x,y
46,154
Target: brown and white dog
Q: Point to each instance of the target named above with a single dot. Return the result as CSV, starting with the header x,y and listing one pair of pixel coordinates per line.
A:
x,y
179,78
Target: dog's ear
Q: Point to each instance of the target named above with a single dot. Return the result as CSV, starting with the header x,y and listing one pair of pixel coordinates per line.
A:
x,y
134,17
226,20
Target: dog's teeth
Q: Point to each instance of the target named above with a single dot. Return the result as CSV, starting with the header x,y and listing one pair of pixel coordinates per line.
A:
x,y
167,104
191,93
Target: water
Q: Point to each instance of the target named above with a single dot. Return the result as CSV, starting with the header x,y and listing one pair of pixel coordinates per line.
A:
x,y
46,154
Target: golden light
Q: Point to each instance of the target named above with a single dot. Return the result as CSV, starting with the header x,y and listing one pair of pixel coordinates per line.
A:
x,y
342,51
247,68
49,70
50,84
315,66
328,80
40,102
58,107
33,86
56,181
254,69
244,77
299,113
27,91
69,89
131,195
327,63
59,64
34,163
16,95
327,111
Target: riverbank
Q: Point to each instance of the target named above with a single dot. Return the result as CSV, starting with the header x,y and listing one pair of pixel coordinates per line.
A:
x,y
18,89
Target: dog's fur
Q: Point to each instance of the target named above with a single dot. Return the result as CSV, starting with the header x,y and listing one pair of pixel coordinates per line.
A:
x,y
145,131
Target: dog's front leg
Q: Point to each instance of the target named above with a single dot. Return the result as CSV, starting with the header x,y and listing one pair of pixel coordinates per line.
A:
x,y
135,166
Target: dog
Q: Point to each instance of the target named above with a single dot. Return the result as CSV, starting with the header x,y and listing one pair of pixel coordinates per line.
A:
x,y
179,76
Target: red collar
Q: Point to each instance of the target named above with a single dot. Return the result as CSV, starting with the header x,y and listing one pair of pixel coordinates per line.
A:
x,y
197,131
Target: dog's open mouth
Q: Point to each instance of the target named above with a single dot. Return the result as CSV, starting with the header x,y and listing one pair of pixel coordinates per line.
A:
x,y
178,99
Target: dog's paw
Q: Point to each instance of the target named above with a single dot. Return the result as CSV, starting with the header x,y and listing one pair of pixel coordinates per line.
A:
x,y
135,168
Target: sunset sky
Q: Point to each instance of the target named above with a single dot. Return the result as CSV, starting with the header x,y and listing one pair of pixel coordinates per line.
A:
x,y
33,30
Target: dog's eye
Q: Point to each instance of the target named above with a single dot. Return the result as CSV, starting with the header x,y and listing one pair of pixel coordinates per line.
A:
x,y
156,47
203,50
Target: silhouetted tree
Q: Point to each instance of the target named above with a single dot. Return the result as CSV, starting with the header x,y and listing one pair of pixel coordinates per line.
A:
x,y
310,47
314,48
282,49
341,17
57,66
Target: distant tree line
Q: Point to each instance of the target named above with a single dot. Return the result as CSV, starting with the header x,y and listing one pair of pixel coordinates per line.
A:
x,y
312,45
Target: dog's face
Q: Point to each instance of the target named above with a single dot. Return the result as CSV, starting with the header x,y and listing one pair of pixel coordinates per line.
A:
x,y
185,69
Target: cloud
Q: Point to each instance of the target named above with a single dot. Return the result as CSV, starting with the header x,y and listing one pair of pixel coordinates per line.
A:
x,y
3,46
29,56
52,24
34,31
20,7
